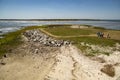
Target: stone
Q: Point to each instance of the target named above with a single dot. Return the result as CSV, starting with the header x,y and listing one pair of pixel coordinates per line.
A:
x,y
37,36
36,51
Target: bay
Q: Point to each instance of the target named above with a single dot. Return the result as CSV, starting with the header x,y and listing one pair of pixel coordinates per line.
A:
x,y
8,26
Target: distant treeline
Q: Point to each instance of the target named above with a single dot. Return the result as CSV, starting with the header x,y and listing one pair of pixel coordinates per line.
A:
x,y
57,20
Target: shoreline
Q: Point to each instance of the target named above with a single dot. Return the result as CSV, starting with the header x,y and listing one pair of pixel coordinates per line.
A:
x,y
105,24
59,20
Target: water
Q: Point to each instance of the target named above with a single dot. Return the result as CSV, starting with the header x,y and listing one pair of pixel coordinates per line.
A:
x,y
8,26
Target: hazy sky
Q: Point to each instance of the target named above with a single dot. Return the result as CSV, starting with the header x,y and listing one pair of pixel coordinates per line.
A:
x,y
42,9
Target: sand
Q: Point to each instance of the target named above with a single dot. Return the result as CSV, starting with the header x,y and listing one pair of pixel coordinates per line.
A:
x,y
63,63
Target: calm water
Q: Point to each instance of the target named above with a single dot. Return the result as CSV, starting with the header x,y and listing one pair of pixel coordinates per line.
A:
x,y
8,26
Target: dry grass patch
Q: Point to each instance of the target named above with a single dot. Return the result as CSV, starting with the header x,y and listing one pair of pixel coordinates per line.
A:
x,y
109,70
114,34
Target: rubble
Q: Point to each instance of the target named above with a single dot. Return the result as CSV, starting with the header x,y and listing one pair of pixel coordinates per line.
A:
x,y
38,36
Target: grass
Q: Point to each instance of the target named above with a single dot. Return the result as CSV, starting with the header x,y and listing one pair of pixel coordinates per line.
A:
x,y
114,34
102,42
77,40
12,40
67,31
64,31
92,40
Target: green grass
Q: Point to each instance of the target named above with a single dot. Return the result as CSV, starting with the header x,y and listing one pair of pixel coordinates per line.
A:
x,y
13,39
102,42
92,41
64,31
67,31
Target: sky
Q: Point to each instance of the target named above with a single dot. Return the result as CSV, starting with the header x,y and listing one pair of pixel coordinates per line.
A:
x,y
59,9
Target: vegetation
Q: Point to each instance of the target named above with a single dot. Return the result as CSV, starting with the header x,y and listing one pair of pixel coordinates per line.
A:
x,y
12,39
64,31
77,32
74,35
99,28
93,40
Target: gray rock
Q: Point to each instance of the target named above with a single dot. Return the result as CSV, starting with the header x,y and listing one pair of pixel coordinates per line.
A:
x,y
37,36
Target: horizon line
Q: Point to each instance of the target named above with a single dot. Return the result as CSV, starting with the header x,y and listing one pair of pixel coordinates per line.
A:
x,y
57,19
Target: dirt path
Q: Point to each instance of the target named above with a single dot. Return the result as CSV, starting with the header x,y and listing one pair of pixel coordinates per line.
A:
x,y
92,35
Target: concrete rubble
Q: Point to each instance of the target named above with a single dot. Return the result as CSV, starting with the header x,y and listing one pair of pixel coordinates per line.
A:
x,y
38,36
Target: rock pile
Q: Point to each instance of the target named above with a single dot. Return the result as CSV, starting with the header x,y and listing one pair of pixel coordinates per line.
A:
x,y
38,36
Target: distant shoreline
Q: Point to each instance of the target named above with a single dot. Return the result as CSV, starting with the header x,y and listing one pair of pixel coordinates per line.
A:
x,y
58,20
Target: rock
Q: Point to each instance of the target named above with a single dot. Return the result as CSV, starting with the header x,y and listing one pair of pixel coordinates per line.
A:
x,y
66,42
36,51
37,36
52,42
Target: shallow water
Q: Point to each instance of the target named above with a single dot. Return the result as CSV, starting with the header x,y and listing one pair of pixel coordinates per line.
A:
x,y
8,26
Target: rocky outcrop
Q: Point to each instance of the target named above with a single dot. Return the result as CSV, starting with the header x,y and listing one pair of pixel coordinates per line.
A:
x,y
42,38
